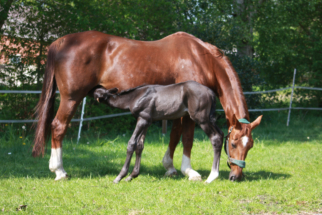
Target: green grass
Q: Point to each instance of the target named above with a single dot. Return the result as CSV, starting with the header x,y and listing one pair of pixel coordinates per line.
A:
x,y
283,175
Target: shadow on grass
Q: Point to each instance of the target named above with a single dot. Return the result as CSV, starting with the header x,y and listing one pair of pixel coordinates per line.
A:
x,y
249,176
17,162
84,163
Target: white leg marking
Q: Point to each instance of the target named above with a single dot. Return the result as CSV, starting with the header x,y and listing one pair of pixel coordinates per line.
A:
x,y
187,170
245,141
213,175
168,164
56,163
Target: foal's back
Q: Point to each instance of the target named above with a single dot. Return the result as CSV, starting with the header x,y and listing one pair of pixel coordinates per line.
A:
x,y
176,100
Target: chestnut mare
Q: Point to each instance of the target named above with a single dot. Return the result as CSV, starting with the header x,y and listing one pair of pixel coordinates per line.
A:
x,y
78,63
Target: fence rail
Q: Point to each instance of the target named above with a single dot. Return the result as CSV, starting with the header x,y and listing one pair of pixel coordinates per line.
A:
x,y
127,113
245,93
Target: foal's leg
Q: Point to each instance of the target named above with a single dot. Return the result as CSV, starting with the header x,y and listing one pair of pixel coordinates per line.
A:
x,y
141,126
216,138
174,140
58,128
188,126
138,152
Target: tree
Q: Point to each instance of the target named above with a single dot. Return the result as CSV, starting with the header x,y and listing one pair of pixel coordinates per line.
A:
x,y
4,10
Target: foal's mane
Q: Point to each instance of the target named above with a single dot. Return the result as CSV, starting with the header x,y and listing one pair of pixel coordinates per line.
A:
x,y
130,90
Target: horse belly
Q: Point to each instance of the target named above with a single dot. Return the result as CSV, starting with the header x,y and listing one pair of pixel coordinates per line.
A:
x,y
166,109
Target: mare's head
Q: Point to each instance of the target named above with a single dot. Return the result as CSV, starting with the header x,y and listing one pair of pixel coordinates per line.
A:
x,y
103,95
239,141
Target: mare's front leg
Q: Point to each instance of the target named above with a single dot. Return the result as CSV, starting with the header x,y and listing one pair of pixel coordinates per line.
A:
x,y
138,151
216,137
141,126
64,114
188,127
175,136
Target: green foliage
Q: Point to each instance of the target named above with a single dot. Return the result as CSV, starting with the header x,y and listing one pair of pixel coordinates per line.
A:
x,y
271,38
289,35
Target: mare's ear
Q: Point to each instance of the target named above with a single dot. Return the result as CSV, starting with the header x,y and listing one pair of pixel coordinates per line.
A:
x,y
113,90
256,122
236,122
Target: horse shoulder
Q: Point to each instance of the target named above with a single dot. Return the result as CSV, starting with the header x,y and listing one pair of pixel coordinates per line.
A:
x,y
143,99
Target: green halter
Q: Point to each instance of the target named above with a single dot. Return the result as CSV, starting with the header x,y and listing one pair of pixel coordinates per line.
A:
x,y
243,120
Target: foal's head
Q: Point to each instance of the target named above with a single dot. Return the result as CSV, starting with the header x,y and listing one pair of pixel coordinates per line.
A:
x,y
239,142
102,95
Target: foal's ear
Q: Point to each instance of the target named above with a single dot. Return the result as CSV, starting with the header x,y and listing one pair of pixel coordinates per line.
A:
x,y
113,90
256,122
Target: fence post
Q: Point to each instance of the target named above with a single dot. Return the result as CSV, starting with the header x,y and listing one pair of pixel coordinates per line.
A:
x,y
289,110
164,126
81,121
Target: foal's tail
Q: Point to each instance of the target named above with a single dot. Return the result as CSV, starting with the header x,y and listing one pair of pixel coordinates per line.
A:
x,y
45,107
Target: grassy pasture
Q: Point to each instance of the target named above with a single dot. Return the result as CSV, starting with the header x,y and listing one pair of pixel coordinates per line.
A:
x,y
283,175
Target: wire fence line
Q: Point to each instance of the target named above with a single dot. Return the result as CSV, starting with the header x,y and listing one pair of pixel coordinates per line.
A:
x,y
245,93
128,113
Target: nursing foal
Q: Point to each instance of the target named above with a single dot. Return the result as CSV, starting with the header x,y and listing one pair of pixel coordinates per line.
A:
x,y
155,102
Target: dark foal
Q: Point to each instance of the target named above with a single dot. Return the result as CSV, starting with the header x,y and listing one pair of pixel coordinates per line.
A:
x,y
156,102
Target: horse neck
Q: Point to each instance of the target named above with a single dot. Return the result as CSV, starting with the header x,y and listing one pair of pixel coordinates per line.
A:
x,y
230,92
120,101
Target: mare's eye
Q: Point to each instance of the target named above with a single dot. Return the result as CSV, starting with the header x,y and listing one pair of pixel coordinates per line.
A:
x,y
233,145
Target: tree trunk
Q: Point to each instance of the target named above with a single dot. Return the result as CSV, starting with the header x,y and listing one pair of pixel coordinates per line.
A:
x,y
245,12
4,11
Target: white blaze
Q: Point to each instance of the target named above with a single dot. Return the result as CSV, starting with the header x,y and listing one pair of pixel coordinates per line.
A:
x,y
244,140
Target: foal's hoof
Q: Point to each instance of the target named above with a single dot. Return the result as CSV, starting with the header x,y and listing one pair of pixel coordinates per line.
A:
x,y
128,179
171,172
117,180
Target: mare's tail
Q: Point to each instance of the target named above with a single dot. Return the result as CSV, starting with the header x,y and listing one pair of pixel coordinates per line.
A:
x,y
45,107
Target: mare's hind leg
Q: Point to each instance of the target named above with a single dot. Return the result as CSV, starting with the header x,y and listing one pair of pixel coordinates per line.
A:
x,y
138,152
141,126
64,114
188,127
216,138
174,140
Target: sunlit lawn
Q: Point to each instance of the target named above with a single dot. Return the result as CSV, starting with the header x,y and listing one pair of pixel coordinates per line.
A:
x,y
283,175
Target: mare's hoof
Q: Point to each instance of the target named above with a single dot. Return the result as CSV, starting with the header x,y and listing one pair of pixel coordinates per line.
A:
x,y
128,179
171,172
61,177
195,178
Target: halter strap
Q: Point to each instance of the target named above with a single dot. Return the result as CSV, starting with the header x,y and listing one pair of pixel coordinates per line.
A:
x,y
243,120
240,163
